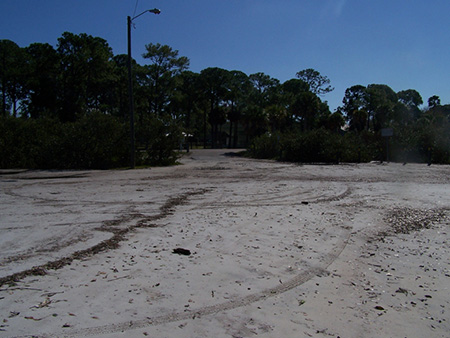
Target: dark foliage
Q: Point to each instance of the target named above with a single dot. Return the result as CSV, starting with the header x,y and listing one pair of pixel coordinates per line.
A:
x,y
69,108
93,142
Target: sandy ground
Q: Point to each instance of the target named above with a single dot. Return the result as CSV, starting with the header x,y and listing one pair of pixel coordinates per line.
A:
x,y
270,250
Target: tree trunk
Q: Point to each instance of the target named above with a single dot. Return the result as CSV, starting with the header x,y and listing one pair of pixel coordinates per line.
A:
x,y
230,135
235,136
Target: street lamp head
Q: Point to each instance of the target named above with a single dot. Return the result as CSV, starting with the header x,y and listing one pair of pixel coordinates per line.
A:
x,y
154,11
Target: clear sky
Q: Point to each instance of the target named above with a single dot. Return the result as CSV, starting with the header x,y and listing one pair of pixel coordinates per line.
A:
x,y
402,43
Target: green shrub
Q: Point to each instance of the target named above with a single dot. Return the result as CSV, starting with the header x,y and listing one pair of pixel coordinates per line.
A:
x,y
160,141
96,141
317,145
266,146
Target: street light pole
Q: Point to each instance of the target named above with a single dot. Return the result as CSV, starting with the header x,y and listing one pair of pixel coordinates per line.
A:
x,y
130,86
130,98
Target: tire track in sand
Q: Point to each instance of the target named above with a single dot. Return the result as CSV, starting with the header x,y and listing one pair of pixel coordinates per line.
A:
x,y
118,236
301,278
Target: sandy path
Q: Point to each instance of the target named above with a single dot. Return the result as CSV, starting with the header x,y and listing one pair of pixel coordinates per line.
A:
x,y
276,250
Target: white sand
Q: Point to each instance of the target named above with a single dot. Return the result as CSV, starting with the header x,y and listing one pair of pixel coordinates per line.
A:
x,y
277,250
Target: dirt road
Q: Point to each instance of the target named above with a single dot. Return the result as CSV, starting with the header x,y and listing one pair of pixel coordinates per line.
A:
x,y
270,250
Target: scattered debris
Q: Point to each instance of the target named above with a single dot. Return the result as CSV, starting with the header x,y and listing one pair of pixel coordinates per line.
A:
x,y
407,220
181,251
401,290
42,304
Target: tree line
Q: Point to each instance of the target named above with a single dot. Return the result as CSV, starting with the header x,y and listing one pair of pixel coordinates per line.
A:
x,y
68,107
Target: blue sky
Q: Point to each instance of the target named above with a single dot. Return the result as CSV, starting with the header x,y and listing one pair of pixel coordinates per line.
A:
x,y
402,43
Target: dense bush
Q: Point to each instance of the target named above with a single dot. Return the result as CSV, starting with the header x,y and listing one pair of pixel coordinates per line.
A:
x,y
319,145
266,146
323,146
313,146
160,139
424,141
96,141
